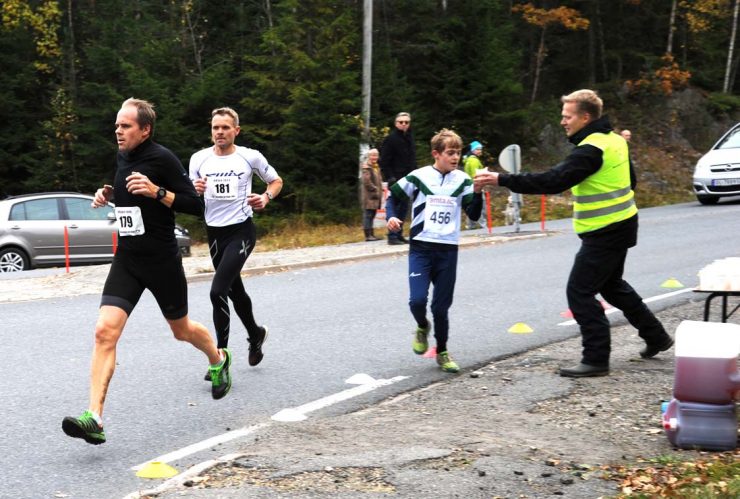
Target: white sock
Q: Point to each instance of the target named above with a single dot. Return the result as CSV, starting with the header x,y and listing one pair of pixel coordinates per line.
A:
x,y
220,362
97,418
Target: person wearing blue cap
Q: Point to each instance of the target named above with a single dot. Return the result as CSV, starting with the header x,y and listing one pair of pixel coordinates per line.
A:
x,y
471,165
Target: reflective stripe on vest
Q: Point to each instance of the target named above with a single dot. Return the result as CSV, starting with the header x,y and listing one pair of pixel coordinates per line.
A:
x,y
605,197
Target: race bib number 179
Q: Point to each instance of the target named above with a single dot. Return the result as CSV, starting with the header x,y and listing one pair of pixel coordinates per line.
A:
x,y
130,222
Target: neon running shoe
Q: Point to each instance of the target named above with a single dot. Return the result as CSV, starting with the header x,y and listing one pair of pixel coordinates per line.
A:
x,y
220,377
84,427
446,363
420,343
207,377
255,346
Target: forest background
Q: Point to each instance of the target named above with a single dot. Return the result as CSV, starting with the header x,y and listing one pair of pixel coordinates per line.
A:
x,y
493,70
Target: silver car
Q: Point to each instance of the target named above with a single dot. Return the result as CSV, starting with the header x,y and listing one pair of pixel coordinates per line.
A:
x,y
717,173
32,231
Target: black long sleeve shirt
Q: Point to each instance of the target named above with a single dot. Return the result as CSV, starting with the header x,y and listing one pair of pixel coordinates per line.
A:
x,y
163,168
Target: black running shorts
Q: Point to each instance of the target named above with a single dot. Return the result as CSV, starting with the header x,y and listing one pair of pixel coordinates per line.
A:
x,y
129,277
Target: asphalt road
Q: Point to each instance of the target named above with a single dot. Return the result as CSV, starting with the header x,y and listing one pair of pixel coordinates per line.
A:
x,y
326,325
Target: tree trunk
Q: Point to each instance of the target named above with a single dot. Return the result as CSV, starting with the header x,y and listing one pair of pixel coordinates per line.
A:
x,y
671,27
538,65
726,86
72,76
591,54
268,13
600,39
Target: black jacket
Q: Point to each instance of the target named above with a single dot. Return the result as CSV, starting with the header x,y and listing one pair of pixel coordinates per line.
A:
x,y
397,156
582,162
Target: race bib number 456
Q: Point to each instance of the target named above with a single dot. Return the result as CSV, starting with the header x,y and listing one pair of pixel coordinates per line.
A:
x,y
130,222
439,215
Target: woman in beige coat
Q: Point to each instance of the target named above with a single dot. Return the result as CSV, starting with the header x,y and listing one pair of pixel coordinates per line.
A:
x,y
371,191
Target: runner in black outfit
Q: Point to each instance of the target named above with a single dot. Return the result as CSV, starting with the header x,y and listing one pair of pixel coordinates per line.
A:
x,y
150,184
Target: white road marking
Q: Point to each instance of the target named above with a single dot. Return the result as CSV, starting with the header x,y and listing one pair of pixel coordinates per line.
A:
x,y
180,479
291,414
646,300
202,445
299,413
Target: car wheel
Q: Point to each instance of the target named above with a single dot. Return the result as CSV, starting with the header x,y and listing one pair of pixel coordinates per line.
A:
x,y
13,260
708,199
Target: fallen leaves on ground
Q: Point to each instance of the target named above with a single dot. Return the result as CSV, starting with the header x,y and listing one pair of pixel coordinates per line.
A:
x,y
712,474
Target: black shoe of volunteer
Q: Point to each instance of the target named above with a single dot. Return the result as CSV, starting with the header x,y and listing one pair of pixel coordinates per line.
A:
x,y
394,241
255,346
403,239
584,371
651,351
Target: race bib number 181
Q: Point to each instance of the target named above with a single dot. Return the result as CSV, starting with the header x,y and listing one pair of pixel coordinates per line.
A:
x,y
222,188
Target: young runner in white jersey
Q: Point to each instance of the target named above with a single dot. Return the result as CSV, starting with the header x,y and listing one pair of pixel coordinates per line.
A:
x,y
223,175
439,193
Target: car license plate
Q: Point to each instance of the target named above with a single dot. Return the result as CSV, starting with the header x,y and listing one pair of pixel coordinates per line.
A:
x,y
726,181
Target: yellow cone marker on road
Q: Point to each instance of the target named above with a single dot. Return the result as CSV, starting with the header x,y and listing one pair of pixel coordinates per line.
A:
x,y
520,328
672,283
155,469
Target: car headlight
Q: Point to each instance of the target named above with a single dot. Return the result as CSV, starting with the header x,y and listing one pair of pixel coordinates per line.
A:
x,y
702,168
181,231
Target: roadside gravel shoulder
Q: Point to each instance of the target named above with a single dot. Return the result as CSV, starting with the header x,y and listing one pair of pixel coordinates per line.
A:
x,y
513,428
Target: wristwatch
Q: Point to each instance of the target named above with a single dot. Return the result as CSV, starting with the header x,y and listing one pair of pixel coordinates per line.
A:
x,y
161,192
269,195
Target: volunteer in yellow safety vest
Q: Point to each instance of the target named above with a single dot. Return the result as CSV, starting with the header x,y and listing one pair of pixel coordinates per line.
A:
x,y
599,173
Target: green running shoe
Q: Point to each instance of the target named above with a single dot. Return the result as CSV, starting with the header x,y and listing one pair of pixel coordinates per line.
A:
x,y
446,363
84,427
220,377
420,343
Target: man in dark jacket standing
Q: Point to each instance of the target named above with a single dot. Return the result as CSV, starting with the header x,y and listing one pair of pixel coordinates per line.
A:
x,y
398,159
599,173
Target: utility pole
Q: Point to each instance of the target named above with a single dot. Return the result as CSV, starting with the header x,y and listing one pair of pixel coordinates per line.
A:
x,y
367,58
726,85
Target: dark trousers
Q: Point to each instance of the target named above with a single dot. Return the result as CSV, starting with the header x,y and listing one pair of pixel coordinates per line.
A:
x,y
368,216
428,266
230,247
402,208
599,270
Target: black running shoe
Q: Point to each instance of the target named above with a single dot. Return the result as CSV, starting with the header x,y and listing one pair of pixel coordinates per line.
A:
x,y
220,377
255,347
84,427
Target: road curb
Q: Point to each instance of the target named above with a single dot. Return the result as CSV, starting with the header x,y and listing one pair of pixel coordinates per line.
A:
x,y
471,241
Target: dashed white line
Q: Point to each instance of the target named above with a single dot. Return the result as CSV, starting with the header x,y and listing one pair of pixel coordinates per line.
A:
x,y
291,414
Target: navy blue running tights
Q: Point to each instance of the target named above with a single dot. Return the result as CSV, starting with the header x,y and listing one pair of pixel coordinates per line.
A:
x,y
437,267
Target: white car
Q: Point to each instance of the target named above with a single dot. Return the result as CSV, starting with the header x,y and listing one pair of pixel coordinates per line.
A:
x,y
717,173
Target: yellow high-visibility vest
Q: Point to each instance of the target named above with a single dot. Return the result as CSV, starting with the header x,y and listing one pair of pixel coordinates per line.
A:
x,y
606,196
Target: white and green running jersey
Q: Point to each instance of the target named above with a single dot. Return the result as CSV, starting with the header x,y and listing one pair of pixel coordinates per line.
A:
x,y
437,201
